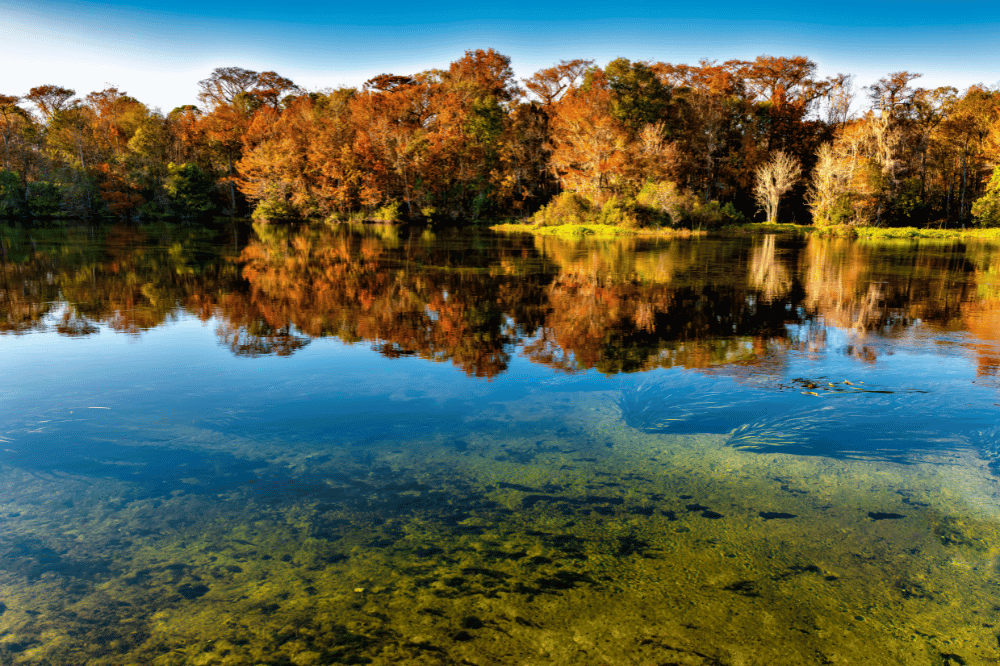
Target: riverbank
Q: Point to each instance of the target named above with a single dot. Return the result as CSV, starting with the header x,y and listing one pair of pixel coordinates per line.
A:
x,y
596,230
842,231
875,233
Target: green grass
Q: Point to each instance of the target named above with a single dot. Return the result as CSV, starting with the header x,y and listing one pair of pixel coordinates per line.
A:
x,y
905,233
766,227
582,230
844,231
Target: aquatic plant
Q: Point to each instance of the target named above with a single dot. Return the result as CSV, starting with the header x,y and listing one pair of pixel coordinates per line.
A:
x,y
864,427
777,430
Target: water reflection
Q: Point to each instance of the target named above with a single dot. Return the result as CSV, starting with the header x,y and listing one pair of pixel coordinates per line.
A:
x,y
615,306
798,429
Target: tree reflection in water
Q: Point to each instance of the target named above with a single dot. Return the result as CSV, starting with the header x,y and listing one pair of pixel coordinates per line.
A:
x,y
735,306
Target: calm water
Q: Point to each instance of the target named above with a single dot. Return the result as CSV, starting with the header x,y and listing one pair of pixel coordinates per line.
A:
x,y
353,445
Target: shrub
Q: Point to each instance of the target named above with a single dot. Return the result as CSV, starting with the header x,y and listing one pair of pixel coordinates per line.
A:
x,y
713,215
273,209
565,208
388,213
619,212
666,198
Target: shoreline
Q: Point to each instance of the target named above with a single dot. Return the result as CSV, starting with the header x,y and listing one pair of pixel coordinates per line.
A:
x,y
860,233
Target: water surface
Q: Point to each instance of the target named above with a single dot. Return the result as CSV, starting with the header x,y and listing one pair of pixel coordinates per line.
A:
x,y
348,444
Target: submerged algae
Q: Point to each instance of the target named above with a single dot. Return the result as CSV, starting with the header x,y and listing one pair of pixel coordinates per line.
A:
x,y
587,542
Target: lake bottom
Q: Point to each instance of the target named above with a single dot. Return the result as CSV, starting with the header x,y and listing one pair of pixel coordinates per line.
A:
x,y
565,537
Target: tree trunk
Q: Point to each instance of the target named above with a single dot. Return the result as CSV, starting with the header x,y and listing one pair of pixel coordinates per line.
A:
x,y
961,205
232,188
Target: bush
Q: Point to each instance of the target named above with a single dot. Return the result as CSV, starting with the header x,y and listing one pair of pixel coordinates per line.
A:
x,y
388,213
841,213
668,199
345,217
619,212
657,205
565,208
713,215
273,209
679,208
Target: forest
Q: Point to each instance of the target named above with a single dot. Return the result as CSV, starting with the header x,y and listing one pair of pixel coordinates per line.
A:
x,y
636,144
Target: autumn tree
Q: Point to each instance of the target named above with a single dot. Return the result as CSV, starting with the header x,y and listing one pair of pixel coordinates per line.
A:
x,y
589,142
50,99
893,94
830,187
774,179
223,86
838,100
271,88
712,106
12,121
966,129
484,73
550,84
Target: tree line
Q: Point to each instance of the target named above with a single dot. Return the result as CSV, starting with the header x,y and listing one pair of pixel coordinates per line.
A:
x,y
632,143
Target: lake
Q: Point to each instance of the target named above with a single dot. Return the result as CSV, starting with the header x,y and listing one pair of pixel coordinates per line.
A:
x,y
350,444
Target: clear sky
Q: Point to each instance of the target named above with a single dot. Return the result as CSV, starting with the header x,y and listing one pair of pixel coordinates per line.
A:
x,y
157,51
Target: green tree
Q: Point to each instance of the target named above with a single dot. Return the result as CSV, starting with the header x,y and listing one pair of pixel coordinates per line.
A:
x,y
986,210
190,190
11,193
638,96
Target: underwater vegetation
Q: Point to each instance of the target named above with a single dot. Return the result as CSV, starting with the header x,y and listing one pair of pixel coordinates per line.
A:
x,y
783,430
603,544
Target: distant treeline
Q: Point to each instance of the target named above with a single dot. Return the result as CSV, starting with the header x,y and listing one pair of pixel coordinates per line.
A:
x,y
632,143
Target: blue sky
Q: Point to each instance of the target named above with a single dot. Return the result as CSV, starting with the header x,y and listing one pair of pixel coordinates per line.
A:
x,y
157,51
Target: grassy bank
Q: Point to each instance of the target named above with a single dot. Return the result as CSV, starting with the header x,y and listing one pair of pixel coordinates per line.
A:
x,y
842,231
877,233
766,227
596,230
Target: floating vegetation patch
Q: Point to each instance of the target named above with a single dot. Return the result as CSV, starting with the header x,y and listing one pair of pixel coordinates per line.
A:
x,y
824,386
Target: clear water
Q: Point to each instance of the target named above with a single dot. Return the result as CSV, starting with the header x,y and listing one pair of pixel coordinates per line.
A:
x,y
346,445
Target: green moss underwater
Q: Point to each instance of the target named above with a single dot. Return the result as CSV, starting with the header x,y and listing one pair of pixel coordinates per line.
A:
x,y
562,536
